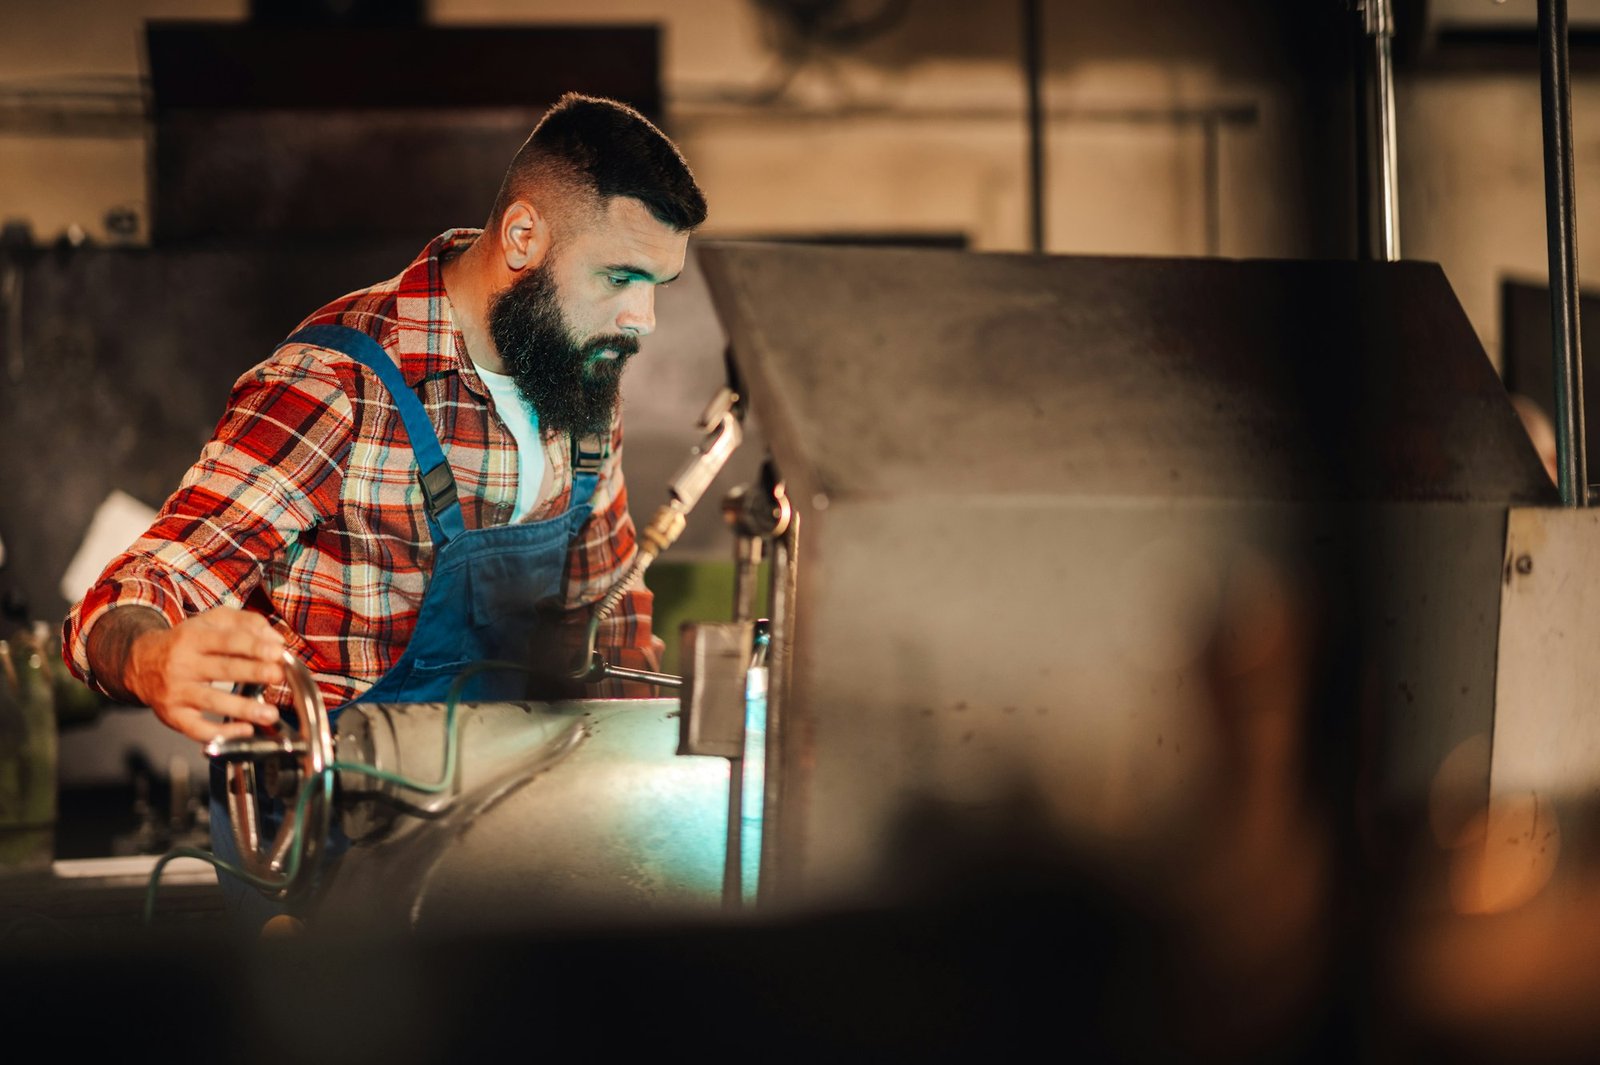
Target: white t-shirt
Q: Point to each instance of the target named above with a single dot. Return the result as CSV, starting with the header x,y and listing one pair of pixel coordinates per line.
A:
x,y
524,426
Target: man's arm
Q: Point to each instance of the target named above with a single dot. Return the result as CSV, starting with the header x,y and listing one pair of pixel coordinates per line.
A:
x,y
138,657
162,620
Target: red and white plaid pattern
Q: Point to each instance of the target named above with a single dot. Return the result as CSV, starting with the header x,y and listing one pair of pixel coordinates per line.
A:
x,y
305,504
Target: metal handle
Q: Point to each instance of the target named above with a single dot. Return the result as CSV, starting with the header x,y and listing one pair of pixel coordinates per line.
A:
x,y
311,749
723,435
600,669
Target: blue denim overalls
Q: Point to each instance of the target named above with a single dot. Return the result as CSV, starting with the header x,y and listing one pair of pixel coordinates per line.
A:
x,y
480,599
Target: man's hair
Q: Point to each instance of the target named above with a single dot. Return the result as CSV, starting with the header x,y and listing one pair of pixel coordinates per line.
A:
x,y
606,149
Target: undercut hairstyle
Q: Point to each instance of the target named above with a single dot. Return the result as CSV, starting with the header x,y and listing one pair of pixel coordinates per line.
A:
x,y
604,149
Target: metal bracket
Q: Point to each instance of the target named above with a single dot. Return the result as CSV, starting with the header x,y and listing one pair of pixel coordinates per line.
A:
x,y
716,657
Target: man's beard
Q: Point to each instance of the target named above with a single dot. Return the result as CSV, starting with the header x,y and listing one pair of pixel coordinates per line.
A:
x,y
569,389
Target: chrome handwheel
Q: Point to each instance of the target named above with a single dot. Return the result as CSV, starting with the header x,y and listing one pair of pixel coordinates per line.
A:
x,y
289,768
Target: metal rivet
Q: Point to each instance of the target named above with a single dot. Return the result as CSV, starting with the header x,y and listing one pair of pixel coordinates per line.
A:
x,y
1524,564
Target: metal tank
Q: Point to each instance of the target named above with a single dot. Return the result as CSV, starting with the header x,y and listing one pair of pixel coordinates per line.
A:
x,y
561,813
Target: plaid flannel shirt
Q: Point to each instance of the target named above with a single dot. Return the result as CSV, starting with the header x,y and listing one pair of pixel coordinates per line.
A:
x,y
305,506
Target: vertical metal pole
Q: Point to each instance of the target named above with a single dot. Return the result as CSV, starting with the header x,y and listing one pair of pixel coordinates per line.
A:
x,y
746,557
780,655
1212,131
746,560
733,860
1033,56
1378,22
1561,222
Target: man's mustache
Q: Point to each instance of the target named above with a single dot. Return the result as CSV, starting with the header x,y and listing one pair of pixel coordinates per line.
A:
x,y
624,344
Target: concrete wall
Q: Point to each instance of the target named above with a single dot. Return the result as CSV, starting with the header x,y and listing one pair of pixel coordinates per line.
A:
x,y
1472,181
922,131
941,148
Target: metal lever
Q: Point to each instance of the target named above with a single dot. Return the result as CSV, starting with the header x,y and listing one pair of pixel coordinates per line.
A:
x,y
600,669
723,434
254,747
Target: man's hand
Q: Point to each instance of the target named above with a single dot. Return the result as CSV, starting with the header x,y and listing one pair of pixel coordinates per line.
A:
x,y
173,670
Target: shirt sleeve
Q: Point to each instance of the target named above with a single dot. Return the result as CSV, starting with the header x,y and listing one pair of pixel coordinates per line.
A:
x,y
601,555
272,469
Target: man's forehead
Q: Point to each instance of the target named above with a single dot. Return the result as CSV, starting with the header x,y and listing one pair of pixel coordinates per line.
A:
x,y
626,233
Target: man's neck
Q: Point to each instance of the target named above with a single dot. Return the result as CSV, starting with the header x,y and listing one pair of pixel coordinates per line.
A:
x,y
466,283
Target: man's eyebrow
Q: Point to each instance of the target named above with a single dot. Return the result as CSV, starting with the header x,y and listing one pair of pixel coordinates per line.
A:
x,y
638,273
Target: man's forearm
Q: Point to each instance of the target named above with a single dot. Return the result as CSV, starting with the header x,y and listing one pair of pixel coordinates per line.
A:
x,y
111,646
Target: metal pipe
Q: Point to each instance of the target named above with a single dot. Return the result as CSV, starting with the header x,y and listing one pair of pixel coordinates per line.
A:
x,y
733,856
641,676
746,558
1378,17
1212,131
1033,60
782,581
696,115
1561,223
723,434
746,562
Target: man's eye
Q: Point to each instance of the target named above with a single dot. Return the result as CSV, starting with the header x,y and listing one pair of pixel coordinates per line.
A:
x,y
616,280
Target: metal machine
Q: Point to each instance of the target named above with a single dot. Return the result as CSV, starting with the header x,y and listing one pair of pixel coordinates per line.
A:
x,y
429,816
1031,489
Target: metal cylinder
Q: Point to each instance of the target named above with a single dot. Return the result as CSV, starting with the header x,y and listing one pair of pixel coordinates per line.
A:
x,y
1033,63
780,655
747,550
1388,192
1561,224
1382,192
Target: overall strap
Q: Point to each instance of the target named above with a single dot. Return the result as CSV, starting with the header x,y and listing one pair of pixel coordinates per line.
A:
x,y
445,522
589,456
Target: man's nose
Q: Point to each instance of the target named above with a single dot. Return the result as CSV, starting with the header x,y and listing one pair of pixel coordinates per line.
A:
x,y
638,318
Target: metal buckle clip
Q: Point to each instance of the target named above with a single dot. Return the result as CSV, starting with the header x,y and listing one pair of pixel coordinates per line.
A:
x,y
439,488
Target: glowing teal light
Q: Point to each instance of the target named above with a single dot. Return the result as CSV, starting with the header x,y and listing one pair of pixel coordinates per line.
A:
x,y
755,762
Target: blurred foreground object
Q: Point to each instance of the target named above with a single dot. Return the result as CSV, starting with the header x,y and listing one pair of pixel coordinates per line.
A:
x,y
36,692
1025,482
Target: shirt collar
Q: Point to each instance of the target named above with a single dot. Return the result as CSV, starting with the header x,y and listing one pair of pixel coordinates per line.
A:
x,y
427,340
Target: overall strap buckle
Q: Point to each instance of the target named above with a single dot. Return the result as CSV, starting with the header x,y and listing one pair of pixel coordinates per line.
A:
x,y
438,488
589,454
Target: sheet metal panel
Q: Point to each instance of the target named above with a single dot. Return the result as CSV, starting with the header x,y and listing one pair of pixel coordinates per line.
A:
x,y
1547,729
399,130
889,373
567,813
1028,484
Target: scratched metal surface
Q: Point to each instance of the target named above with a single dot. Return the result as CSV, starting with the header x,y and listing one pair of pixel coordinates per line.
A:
x,y
887,373
1031,487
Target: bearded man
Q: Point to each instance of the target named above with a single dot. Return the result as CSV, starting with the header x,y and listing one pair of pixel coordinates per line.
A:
x,y
413,478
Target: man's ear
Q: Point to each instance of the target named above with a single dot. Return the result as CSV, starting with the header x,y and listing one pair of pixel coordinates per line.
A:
x,y
524,236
